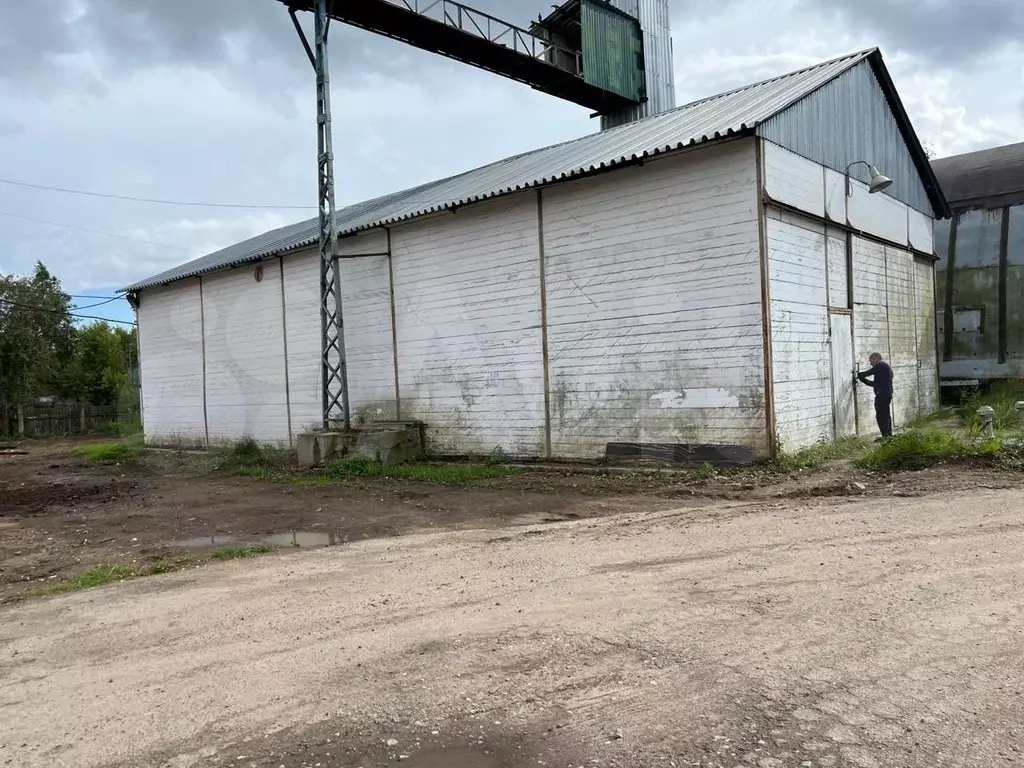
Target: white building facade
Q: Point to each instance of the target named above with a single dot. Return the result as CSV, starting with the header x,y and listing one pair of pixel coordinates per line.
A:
x,y
656,286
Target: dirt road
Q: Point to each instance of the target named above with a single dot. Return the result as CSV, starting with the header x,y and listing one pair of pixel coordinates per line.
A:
x,y
816,633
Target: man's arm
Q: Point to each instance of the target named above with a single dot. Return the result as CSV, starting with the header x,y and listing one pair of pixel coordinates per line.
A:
x,y
864,376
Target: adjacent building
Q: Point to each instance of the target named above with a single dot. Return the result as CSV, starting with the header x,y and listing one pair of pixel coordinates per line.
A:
x,y
980,269
705,279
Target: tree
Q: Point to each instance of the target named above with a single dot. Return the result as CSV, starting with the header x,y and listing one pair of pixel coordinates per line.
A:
x,y
36,337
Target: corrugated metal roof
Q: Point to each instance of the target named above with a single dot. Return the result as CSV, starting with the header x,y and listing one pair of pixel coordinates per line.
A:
x,y
717,117
988,178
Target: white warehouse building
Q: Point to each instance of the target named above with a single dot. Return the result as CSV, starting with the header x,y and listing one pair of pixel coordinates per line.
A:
x,y
700,282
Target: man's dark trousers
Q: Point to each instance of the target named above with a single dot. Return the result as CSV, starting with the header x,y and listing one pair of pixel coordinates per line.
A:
x,y
883,414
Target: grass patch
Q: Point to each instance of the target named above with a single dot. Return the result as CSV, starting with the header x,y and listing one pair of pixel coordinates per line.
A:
x,y
358,466
95,577
1002,397
819,454
921,448
120,452
241,552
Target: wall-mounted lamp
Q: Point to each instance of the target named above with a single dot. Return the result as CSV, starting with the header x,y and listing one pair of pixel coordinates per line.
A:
x,y
878,181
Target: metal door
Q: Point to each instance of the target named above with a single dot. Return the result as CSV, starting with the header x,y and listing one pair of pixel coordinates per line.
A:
x,y
843,391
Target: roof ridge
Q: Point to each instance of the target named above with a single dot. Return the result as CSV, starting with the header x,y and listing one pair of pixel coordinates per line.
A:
x,y
857,55
591,152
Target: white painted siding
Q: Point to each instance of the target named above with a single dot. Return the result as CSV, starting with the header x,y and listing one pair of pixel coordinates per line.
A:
x,y
302,323
366,296
902,334
835,196
467,299
921,231
170,349
653,302
877,214
870,321
793,180
801,357
838,269
245,365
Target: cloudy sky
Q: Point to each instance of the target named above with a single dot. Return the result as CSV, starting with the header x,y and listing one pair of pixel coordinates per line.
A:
x,y
212,101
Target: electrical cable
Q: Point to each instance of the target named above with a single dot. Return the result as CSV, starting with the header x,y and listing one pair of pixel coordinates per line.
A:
x,y
61,312
100,304
92,231
156,201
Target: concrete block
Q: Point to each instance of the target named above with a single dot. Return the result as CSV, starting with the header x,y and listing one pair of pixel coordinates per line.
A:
x,y
390,445
308,448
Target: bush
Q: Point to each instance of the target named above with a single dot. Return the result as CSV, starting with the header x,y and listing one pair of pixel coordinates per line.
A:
x,y
248,453
921,448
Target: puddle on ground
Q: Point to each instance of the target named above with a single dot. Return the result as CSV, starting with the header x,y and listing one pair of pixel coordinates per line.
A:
x,y
300,539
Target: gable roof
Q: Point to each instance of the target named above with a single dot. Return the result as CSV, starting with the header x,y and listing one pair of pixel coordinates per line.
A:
x,y
733,113
989,178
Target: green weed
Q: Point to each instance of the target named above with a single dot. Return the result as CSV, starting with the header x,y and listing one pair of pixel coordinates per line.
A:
x,y
816,456
1002,397
358,466
95,577
705,472
241,552
921,448
120,452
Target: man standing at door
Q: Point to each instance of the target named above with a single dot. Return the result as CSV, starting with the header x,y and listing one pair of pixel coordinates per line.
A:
x,y
879,378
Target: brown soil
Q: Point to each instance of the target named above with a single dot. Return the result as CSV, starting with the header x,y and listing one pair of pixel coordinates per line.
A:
x,y
781,633
60,515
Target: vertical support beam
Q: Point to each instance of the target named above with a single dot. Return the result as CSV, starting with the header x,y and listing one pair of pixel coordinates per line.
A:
x,y
546,383
394,327
284,342
1004,273
202,352
766,306
334,372
853,323
947,313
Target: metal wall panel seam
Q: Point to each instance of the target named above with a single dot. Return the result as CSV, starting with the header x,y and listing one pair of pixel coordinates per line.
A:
x,y
947,314
546,378
853,318
766,322
1004,273
202,347
394,327
284,343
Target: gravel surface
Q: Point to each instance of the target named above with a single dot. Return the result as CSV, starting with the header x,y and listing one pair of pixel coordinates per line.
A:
x,y
807,633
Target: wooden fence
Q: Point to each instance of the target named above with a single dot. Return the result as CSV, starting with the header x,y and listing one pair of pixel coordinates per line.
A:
x,y
62,419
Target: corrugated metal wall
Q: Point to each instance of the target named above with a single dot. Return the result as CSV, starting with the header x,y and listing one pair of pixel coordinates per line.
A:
x,y
802,361
655,23
653,305
245,364
846,120
171,350
302,332
612,50
468,317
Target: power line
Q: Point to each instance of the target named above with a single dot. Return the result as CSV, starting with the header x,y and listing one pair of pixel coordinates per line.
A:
x,y
87,296
47,310
100,304
155,201
92,231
